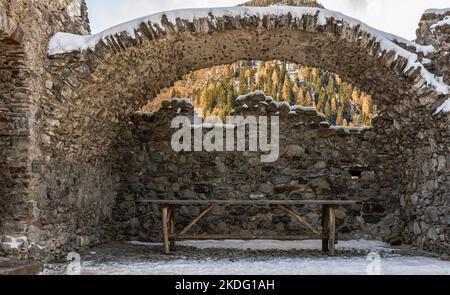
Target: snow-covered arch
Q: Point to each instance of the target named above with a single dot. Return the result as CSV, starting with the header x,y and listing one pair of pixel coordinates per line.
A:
x,y
129,63
97,81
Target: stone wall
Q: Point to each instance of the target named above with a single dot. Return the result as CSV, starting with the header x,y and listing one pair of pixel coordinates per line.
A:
x,y
25,28
430,33
65,127
98,89
14,136
427,153
316,162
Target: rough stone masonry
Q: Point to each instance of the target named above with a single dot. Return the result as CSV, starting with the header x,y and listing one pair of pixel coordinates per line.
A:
x,y
66,128
317,162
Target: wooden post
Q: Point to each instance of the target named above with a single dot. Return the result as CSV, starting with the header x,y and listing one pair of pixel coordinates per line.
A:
x,y
165,230
332,224
325,228
172,229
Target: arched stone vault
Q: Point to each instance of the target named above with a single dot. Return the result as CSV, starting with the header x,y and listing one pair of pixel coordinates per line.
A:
x,y
101,80
122,72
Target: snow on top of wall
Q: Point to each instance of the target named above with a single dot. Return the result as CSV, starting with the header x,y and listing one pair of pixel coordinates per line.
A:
x,y
351,129
425,49
445,107
437,11
181,100
281,104
250,94
445,21
74,8
64,43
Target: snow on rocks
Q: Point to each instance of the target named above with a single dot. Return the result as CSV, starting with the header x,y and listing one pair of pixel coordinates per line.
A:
x,y
445,107
444,22
74,8
13,244
258,102
350,130
440,11
65,43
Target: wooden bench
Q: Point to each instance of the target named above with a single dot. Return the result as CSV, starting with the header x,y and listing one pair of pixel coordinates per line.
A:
x,y
327,234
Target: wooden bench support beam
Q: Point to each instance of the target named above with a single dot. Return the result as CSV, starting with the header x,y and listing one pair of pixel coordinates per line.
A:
x,y
298,217
332,218
329,229
325,228
197,219
243,237
172,228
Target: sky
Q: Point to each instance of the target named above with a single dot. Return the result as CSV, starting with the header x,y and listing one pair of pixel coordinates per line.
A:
x,y
399,17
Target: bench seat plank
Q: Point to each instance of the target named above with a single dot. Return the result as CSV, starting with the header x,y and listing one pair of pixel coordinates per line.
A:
x,y
243,237
250,202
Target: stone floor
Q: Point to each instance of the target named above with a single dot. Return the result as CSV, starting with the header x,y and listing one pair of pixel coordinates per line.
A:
x,y
15,267
245,258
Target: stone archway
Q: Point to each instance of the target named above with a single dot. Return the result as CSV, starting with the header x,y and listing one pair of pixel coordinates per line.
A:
x,y
98,81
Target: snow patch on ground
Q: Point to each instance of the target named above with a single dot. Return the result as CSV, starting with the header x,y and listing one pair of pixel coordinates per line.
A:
x,y
276,266
382,258
272,245
13,242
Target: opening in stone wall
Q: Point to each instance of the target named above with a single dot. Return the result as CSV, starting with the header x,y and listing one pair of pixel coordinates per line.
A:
x,y
356,173
317,162
213,89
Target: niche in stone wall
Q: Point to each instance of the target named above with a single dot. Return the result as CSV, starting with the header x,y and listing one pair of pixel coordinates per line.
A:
x,y
356,172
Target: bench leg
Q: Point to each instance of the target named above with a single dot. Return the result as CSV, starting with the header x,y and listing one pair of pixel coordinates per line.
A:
x,y
172,223
332,236
165,230
325,228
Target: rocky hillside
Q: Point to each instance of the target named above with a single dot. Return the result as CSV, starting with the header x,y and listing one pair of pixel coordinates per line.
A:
x,y
213,90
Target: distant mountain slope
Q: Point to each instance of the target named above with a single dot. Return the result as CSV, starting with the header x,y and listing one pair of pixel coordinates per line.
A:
x,y
308,3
